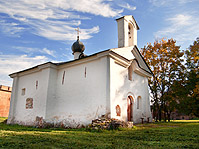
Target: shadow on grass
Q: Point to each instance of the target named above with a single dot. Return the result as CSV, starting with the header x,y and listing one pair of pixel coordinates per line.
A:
x,y
161,135
18,128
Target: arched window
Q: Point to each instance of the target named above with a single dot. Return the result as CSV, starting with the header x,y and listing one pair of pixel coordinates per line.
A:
x,y
138,102
118,110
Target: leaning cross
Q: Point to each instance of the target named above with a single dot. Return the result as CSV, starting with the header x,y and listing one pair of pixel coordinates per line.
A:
x,y
78,31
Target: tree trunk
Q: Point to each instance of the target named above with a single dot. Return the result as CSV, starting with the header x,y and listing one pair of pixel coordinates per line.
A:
x,y
165,116
165,112
156,115
169,114
160,114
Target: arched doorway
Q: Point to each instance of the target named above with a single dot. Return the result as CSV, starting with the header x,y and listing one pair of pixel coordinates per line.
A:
x,y
130,108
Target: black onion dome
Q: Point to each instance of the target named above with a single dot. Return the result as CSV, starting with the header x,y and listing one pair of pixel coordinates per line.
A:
x,y
78,46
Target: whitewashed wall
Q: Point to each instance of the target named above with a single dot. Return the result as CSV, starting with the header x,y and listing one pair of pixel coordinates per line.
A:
x,y
122,87
18,112
82,97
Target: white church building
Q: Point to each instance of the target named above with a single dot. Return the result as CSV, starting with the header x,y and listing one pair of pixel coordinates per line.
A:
x,y
112,83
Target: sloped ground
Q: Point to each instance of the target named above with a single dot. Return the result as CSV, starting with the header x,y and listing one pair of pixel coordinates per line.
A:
x,y
153,135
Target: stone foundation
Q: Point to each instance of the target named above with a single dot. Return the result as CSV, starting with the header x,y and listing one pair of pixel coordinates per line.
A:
x,y
100,123
109,124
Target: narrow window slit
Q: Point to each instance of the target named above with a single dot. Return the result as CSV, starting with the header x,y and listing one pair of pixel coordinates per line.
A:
x,y
63,78
36,84
130,72
23,91
85,73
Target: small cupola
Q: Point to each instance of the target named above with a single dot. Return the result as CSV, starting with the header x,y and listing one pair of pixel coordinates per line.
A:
x,y
78,47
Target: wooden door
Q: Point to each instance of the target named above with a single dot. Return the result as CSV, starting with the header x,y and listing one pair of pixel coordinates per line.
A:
x,y
130,108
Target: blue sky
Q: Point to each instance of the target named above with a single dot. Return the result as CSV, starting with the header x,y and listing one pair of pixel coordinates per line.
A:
x,y
37,31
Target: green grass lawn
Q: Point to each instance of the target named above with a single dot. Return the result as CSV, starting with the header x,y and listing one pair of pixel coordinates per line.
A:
x,y
176,134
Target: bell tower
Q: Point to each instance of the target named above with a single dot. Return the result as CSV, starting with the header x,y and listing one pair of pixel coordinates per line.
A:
x,y
127,31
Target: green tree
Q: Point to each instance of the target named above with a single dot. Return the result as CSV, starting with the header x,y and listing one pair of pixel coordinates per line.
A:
x,y
190,103
165,60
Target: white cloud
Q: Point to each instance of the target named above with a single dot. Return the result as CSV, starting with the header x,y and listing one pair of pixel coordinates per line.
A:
x,y
49,52
96,7
159,3
14,63
181,20
186,1
60,30
52,19
86,33
181,27
27,50
30,51
127,6
11,29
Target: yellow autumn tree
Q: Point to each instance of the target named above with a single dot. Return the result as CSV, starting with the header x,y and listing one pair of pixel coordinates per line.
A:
x,y
165,60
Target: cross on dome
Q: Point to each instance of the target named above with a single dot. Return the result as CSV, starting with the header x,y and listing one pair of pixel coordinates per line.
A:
x,y
78,31
78,47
